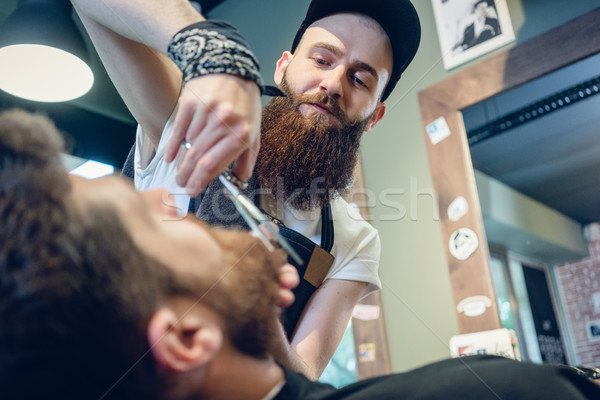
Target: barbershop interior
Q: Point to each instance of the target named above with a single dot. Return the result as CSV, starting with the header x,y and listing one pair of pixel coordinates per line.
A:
x,y
482,180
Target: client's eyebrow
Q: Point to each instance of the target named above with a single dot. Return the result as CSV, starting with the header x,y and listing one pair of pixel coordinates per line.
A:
x,y
336,51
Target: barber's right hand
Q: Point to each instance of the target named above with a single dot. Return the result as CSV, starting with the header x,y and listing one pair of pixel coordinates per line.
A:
x,y
219,115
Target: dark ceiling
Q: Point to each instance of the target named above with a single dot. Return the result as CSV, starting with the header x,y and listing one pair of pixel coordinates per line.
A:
x,y
543,139
97,125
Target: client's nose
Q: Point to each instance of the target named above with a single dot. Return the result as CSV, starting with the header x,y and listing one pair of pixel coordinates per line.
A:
x,y
161,202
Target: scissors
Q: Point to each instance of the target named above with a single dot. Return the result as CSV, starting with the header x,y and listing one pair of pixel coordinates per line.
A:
x,y
251,214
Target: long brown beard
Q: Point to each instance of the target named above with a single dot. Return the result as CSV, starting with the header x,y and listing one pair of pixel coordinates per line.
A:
x,y
305,161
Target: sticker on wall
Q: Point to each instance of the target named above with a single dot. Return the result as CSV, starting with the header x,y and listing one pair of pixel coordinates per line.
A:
x,y
366,352
474,306
438,130
596,302
499,342
365,312
458,208
463,242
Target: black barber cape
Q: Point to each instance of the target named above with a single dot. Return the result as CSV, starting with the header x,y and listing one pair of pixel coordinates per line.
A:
x,y
466,378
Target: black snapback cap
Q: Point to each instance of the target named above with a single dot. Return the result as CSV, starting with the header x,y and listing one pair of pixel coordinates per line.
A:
x,y
398,18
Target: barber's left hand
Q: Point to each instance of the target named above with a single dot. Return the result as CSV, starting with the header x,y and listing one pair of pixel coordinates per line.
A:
x,y
288,280
288,274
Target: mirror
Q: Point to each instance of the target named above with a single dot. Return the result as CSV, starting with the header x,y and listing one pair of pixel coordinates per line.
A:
x,y
542,139
448,107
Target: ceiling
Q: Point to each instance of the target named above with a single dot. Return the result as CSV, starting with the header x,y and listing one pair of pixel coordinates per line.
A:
x,y
552,156
553,159
97,126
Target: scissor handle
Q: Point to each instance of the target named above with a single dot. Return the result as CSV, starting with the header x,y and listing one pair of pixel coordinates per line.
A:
x,y
230,177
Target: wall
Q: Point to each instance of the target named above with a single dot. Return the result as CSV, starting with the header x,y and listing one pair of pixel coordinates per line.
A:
x,y
416,293
579,283
418,306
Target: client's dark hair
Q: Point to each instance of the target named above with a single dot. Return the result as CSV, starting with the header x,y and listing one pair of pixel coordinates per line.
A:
x,y
75,292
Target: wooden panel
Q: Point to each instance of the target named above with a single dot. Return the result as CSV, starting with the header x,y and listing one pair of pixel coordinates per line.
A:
x,y
450,160
370,341
452,175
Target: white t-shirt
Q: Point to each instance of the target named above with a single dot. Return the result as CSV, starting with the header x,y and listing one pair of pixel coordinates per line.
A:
x,y
356,245
159,174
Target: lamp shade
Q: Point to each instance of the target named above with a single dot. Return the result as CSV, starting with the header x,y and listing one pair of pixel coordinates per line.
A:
x,y
42,54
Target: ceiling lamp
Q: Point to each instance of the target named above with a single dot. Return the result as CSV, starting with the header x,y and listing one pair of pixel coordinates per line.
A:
x,y
42,53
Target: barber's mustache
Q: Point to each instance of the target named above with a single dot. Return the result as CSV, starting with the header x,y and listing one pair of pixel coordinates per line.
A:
x,y
323,99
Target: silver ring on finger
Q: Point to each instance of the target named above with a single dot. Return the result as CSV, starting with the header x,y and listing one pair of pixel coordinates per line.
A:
x,y
185,144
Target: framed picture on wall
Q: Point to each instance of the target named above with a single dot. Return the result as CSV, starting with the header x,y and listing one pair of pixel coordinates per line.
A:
x,y
468,29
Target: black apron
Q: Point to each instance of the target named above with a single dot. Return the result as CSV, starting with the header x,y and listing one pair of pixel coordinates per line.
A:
x,y
317,260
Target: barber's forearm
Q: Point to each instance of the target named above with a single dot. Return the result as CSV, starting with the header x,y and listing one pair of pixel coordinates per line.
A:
x,y
287,356
152,22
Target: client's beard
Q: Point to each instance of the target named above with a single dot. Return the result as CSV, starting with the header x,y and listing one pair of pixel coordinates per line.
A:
x,y
306,161
242,288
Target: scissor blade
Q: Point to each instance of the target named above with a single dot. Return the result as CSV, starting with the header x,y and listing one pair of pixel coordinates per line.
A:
x,y
251,214
284,243
252,224
259,216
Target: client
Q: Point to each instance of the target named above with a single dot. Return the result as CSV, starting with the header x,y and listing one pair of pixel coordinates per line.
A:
x,y
104,296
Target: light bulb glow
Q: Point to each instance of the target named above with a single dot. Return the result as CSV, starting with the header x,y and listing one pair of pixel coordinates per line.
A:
x,y
43,73
93,169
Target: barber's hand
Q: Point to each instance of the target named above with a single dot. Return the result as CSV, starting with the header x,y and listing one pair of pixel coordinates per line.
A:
x,y
219,115
288,280
288,274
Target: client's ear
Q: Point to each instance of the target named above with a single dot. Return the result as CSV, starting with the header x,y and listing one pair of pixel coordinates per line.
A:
x,y
183,342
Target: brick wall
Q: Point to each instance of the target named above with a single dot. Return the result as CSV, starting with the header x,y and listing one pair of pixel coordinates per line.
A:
x,y
580,286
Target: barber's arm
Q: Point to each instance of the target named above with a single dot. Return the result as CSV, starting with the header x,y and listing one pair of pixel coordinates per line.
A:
x,y
320,328
219,114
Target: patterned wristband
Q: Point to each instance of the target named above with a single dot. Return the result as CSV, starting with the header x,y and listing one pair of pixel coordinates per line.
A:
x,y
213,47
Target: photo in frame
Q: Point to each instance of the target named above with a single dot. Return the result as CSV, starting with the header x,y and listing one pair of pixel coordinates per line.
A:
x,y
468,29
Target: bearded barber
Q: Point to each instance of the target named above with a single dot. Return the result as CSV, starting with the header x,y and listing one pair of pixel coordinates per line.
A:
x,y
344,61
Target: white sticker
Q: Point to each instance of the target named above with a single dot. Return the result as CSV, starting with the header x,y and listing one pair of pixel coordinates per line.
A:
x,y
438,130
596,302
365,312
463,242
474,306
458,208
